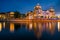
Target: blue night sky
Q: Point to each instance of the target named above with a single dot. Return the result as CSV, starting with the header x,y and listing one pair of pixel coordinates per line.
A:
x,y
24,6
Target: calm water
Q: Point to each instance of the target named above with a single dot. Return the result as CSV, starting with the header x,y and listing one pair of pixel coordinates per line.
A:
x,y
30,31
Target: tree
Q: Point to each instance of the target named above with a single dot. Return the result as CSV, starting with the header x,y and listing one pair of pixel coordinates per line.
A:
x,y
23,16
17,14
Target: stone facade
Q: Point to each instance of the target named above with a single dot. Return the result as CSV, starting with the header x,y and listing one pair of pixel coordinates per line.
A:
x,y
39,13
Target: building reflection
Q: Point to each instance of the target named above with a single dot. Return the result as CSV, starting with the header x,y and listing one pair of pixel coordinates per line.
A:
x,y
12,27
37,27
52,27
46,26
0,26
4,25
30,26
59,26
35,24
39,30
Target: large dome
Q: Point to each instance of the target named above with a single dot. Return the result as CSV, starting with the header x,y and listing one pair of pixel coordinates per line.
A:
x,y
37,6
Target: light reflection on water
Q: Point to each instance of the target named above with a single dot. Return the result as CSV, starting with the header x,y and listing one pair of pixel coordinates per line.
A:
x,y
11,27
58,26
37,27
0,26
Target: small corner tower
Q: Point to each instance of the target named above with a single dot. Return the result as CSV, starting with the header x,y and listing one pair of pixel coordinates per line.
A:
x,y
52,12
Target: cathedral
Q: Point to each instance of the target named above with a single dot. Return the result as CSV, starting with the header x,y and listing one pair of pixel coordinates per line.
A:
x,y
39,13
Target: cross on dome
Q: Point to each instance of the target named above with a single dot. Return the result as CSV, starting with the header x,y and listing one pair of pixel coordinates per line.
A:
x,y
38,4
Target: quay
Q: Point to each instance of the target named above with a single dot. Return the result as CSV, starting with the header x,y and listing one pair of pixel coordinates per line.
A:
x,y
32,20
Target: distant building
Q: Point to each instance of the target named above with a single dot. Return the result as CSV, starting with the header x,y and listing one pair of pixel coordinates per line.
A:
x,y
39,13
2,16
7,15
10,15
59,17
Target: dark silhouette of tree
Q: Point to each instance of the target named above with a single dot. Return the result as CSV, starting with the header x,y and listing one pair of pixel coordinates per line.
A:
x,y
17,14
23,15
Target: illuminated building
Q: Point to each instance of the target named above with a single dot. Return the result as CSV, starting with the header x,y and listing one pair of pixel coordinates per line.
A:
x,y
2,16
39,13
7,15
51,12
10,15
59,17
30,15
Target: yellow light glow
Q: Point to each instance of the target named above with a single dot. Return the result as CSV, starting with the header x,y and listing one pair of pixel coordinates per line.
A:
x,y
50,26
4,24
12,13
35,25
0,27
30,26
58,26
12,27
0,16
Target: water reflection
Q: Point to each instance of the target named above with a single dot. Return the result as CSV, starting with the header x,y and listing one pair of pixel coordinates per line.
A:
x,y
0,26
30,26
52,27
59,26
37,27
12,27
4,25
